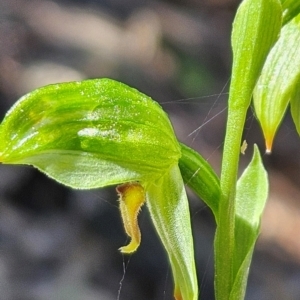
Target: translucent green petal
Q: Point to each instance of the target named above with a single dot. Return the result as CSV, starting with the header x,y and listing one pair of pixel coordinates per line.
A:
x,y
168,205
89,134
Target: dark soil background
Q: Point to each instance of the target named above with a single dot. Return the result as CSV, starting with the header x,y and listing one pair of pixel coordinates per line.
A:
x,y
61,244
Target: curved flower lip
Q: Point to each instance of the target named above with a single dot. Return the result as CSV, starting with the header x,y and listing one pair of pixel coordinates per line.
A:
x,y
131,198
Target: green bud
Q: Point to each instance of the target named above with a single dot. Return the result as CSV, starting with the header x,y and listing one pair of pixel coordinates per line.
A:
x,y
279,77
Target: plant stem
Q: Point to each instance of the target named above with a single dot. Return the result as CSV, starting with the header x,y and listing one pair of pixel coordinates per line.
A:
x,y
255,30
224,242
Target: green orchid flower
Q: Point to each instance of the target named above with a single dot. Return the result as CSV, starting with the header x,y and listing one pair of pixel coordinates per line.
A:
x,y
100,132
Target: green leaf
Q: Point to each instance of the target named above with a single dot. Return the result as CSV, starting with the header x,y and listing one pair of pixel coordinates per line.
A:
x,y
240,284
251,196
295,106
291,8
277,82
89,134
252,191
198,174
168,206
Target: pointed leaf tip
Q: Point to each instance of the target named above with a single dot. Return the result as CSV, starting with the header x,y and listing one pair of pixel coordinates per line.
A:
x,y
268,151
269,145
251,197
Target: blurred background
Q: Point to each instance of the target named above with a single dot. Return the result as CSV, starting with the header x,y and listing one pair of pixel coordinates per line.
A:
x,y
61,244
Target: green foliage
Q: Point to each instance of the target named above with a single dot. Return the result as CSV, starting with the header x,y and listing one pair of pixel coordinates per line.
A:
x,y
255,30
251,196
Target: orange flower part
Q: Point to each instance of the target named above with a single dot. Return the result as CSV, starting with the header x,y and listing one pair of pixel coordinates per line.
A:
x,y
131,198
177,295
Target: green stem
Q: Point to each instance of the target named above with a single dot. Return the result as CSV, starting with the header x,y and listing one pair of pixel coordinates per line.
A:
x,y
255,30
224,242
